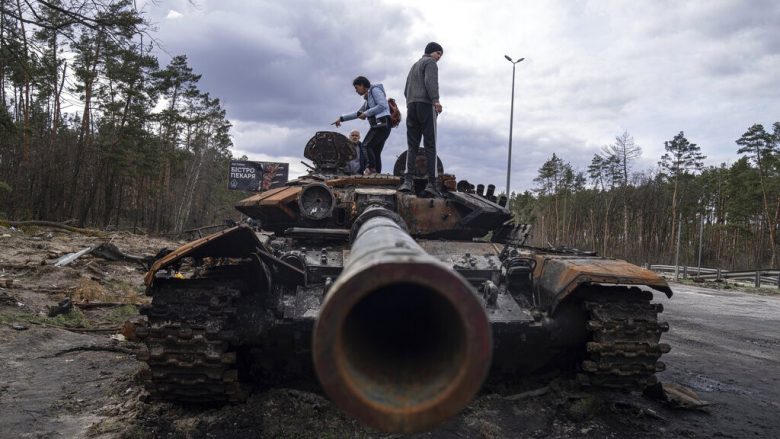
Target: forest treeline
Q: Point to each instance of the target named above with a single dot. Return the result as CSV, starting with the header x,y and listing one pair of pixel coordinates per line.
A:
x,y
94,129
636,215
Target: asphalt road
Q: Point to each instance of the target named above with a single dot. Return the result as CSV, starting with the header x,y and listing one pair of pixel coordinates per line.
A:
x,y
725,346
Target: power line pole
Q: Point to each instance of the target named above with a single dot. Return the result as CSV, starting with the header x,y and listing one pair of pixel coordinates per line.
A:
x,y
511,120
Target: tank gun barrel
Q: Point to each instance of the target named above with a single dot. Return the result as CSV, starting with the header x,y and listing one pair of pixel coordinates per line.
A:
x,y
401,342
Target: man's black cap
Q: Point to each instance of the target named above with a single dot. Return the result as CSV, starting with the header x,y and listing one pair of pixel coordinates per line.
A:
x,y
433,47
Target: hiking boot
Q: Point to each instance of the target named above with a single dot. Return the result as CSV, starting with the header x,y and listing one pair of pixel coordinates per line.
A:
x,y
430,191
406,186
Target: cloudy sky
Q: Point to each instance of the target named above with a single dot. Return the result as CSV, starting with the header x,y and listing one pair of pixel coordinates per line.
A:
x,y
592,70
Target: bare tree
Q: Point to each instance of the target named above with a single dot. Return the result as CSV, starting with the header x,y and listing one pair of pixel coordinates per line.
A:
x,y
625,151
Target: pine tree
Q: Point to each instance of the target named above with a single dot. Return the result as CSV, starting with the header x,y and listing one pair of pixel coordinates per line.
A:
x,y
761,148
681,159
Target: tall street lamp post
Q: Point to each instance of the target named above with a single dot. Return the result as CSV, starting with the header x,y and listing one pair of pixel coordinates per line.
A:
x,y
511,120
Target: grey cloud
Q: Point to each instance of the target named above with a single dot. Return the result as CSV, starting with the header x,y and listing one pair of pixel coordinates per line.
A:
x,y
725,18
299,71
460,80
480,155
297,79
284,71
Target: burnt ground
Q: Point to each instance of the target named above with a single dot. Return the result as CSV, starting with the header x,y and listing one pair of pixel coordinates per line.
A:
x,y
72,376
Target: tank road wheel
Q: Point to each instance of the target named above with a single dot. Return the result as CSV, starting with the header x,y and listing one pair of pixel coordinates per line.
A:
x,y
624,333
190,341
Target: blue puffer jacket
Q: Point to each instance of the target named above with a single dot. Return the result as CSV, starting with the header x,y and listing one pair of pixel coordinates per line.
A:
x,y
374,105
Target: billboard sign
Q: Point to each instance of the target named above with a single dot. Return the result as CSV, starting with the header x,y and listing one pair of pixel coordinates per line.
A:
x,y
257,176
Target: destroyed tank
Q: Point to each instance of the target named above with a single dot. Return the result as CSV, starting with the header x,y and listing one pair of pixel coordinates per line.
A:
x,y
399,307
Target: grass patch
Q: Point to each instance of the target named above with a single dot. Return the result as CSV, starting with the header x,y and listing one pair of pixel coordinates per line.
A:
x,y
73,319
725,285
137,432
706,284
104,426
117,286
764,291
125,291
17,316
7,319
121,314
76,318
582,409
110,290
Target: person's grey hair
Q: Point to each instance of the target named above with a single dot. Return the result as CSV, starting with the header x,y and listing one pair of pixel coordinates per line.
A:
x,y
354,131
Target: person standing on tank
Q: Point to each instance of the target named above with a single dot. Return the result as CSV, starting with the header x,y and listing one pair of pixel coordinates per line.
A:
x,y
376,110
422,107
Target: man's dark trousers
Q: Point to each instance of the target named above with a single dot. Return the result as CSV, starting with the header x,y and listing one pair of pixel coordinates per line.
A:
x,y
420,124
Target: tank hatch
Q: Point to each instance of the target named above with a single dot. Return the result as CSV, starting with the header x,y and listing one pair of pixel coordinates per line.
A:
x,y
329,151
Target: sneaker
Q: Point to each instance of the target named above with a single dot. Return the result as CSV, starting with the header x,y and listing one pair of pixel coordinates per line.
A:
x,y
430,191
406,186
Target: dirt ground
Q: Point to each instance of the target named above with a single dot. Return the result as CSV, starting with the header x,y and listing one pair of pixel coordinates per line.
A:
x,y
74,376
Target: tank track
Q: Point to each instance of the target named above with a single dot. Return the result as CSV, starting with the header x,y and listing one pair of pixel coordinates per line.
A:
x,y
623,347
189,336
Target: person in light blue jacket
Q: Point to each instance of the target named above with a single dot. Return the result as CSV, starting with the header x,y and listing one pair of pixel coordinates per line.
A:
x,y
376,110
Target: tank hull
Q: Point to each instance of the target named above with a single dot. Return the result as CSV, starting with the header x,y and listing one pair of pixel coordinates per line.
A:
x,y
532,331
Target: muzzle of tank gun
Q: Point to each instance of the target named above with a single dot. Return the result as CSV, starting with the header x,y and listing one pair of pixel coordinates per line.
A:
x,y
401,342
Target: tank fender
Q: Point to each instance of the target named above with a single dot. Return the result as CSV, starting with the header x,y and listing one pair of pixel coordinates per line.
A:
x,y
557,277
234,242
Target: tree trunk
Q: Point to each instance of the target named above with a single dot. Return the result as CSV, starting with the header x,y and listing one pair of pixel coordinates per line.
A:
x,y
2,65
84,133
119,201
625,223
673,235
606,225
26,101
186,205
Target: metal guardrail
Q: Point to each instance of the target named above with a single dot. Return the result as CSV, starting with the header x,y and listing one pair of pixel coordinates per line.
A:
x,y
770,276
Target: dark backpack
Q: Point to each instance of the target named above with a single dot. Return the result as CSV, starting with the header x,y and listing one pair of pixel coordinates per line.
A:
x,y
395,113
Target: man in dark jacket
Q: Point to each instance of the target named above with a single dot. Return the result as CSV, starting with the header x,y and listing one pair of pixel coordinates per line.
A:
x,y
422,106
359,164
